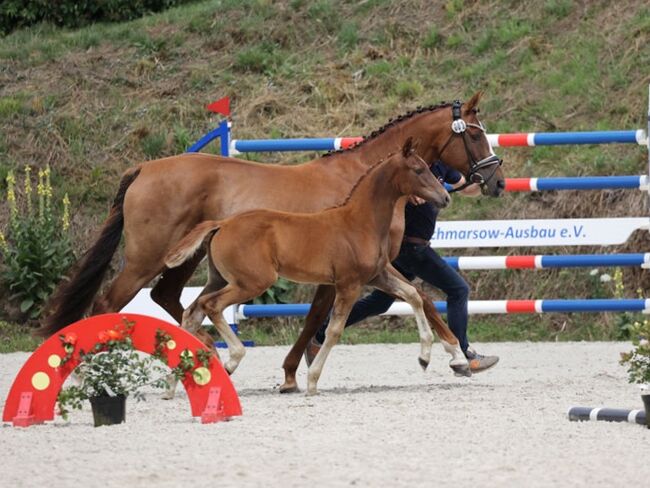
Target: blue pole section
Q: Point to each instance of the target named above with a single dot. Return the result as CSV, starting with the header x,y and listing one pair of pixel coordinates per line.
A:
x,y
224,127
588,260
222,131
589,183
263,145
596,137
594,305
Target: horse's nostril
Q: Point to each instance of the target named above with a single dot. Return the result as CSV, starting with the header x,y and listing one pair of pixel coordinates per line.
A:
x,y
501,184
447,200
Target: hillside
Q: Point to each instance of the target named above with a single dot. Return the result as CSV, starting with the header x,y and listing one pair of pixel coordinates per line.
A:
x,y
92,102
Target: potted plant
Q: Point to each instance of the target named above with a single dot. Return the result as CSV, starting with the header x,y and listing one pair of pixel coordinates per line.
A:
x,y
109,373
638,362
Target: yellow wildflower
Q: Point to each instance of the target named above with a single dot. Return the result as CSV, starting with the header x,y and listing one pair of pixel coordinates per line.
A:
x,y
3,243
65,219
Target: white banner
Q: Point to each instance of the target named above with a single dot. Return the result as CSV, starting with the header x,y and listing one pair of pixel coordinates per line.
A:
x,y
552,232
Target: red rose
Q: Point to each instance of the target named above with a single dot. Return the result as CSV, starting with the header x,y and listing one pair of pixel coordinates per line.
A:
x,y
114,335
70,338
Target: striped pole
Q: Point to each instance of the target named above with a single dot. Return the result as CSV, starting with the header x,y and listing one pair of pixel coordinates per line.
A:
x,y
548,261
497,140
640,182
474,307
576,414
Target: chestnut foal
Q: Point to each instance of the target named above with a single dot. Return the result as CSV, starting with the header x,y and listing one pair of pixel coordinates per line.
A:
x,y
345,246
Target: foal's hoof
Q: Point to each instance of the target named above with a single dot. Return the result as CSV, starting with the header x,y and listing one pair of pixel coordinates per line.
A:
x,y
423,364
288,387
168,395
461,369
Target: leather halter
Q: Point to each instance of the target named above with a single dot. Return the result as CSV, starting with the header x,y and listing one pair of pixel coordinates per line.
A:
x,y
459,127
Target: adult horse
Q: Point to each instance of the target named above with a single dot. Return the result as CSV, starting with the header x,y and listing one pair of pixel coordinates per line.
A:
x,y
160,201
348,248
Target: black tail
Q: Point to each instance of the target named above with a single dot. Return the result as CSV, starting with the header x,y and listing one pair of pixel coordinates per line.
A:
x,y
75,294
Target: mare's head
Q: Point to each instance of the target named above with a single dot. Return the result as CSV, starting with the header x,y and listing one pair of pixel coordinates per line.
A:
x,y
415,178
463,145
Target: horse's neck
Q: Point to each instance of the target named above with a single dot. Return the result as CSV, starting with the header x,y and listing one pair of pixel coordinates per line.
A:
x,y
372,203
427,129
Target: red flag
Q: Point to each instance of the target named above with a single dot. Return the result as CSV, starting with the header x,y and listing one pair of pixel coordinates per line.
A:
x,y
221,106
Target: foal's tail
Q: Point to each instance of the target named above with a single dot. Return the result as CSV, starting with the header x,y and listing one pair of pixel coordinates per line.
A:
x,y
74,295
189,244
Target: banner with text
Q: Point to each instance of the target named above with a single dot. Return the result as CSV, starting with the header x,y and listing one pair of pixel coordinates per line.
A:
x,y
552,232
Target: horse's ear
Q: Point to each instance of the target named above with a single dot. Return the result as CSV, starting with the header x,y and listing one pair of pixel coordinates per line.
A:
x,y
407,148
473,102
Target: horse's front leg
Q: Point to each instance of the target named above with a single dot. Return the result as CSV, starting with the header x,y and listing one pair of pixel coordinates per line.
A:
x,y
320,307
345,298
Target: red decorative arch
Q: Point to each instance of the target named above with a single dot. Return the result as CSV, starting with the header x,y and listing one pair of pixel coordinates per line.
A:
x,y
34,392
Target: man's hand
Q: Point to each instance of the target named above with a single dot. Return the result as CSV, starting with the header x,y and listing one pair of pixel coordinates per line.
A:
x,y
415,200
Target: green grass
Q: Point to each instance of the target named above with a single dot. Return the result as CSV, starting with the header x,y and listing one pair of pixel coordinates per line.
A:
x,y
96,100
15,338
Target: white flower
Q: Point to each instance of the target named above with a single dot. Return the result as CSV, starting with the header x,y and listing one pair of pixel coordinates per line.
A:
x,y
605,278
593,272
643,342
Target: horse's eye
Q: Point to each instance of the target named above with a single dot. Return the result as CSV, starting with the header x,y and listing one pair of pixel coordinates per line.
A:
x,y
419,171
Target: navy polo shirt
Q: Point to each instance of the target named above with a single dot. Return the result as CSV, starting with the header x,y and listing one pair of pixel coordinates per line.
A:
x,y
421,219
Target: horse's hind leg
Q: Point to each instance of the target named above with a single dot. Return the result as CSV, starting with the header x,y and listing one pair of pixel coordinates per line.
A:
x,y
167,292
320,307
345,298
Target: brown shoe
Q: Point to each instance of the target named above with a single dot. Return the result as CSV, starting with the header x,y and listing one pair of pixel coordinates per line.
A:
x,y
312,349
479,363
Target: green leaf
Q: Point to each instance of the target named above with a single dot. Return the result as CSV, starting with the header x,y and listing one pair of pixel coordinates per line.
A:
x,y
26,304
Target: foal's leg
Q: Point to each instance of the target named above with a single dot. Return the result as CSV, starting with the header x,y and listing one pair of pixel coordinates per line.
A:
x,y
214,304
320,307
410,294
192,321
345,298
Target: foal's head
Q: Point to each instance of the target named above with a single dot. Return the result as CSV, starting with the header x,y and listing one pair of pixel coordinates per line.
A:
x,y
467,149
415,178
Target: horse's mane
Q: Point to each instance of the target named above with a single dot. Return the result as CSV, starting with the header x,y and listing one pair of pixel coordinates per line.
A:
x,y
389,124
361,178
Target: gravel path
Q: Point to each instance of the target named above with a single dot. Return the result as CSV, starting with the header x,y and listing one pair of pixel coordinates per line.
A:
x,y
378,421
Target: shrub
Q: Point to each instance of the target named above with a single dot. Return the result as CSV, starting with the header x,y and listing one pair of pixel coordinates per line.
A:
x,y
36,246
75,13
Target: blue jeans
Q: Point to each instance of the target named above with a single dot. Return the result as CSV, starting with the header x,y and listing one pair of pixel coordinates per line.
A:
x,y
423,262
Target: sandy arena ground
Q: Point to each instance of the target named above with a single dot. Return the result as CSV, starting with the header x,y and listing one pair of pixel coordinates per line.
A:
x,y
379,421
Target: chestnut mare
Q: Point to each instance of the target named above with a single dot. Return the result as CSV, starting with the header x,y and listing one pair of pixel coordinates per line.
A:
x,y
160,201
348,247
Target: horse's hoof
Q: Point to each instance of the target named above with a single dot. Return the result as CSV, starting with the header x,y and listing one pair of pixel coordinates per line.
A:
x,y
289,388
461,369
423,364
313,392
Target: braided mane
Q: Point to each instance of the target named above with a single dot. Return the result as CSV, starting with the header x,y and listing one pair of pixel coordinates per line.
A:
x,y
391,123
361,178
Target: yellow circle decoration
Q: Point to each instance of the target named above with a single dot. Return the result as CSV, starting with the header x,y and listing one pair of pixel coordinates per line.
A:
x,y
54,360
171,344
40,380
201,376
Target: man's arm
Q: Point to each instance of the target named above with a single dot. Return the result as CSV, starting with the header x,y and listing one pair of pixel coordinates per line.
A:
x,y
471,191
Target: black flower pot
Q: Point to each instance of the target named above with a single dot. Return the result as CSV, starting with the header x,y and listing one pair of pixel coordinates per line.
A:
x,y
108,410
646,404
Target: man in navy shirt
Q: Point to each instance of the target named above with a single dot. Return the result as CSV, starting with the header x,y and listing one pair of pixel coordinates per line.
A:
x,y
417,259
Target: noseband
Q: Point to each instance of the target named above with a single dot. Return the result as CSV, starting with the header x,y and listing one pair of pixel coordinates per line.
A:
x,y
459,127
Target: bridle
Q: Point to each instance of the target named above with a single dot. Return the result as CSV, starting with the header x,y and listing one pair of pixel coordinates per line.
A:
x,y
459,127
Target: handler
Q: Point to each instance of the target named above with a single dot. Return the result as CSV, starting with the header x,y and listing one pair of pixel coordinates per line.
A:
x,y
417,259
